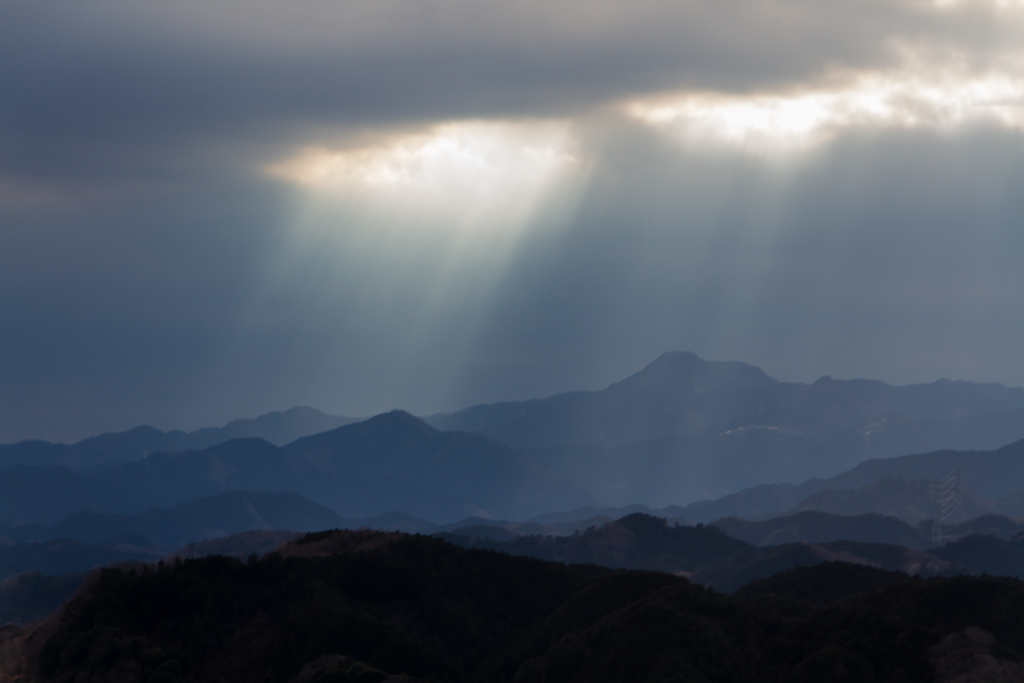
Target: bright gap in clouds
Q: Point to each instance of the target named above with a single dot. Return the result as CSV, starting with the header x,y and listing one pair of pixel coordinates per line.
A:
x,y
420,227
1003,5
462,175
783,122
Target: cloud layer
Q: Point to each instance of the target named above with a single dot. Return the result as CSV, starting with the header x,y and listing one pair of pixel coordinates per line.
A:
x,y
214,209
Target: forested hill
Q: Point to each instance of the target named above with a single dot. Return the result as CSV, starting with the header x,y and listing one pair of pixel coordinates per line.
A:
x,y
369,606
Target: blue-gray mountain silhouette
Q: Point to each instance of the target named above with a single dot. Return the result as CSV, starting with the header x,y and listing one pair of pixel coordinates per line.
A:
x,y
392,462
278,428
993,481
684,429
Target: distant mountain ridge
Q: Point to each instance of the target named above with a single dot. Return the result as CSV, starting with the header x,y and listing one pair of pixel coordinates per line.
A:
x,y
190,522
679,393
732,553
993,482
202,519
278,428
685,429
636,541
392,462
681,430
821,527
660,399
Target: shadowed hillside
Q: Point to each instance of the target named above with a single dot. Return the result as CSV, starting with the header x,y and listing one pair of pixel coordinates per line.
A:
x,y
333,605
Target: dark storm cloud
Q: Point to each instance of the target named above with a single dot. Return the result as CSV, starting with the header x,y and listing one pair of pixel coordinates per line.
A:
x,y
83,79
149,270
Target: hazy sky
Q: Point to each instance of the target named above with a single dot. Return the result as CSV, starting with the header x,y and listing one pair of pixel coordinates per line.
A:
x,y
214,209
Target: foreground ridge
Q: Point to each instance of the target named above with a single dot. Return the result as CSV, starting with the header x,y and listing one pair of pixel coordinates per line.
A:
x,y
374,606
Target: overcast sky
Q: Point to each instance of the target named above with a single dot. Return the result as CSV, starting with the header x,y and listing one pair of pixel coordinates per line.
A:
x,y
212,209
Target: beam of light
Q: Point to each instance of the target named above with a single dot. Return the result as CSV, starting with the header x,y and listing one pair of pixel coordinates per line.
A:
x,y
412,234
464,175
910,98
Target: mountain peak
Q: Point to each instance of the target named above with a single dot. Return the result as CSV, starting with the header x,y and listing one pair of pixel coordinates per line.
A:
x,y
393,424
399,419
685,372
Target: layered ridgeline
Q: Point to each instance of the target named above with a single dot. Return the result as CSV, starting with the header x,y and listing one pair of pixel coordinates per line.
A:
x,y
84,540
679,431
371,607
686,429
911,487
732,553
397,465
278,428
726,555
196,520
393,462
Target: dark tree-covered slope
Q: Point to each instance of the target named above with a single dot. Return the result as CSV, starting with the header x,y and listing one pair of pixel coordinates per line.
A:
x,y
377,604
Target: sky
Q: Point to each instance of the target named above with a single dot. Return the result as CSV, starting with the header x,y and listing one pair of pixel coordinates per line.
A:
x,y
213,209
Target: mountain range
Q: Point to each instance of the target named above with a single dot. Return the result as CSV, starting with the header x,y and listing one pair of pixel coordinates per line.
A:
x,y
904,486
392,462
685,429
679,393
680,430
571,478
196,520
725,555
732,553
278,428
